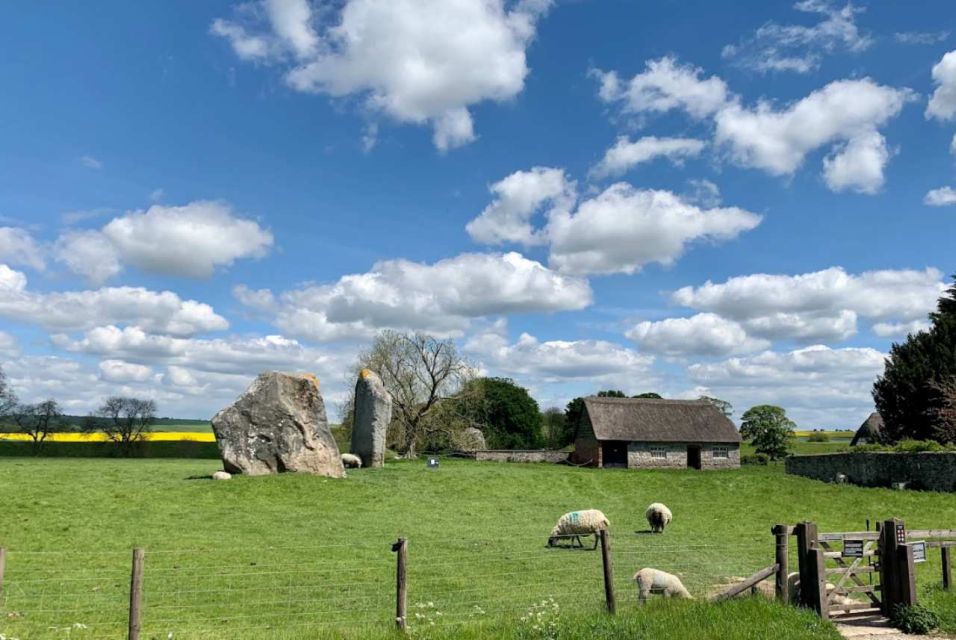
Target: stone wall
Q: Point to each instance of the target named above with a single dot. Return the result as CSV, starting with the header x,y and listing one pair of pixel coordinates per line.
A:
x,y
519,455
927,471
640,456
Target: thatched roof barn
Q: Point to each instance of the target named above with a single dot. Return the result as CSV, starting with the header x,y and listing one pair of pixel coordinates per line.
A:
x,y
647,432
870,432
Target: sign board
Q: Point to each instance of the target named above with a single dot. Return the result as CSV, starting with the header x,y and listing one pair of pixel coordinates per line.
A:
x,y
919,551
852,549
433,463
901,533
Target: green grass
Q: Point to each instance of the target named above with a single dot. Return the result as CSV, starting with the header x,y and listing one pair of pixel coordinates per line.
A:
x,y
297,556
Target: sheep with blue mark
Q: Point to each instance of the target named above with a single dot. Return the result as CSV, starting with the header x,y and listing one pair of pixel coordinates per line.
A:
x,y
575,524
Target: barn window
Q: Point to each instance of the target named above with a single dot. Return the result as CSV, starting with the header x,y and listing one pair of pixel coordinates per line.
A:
x,y
658,452
721,452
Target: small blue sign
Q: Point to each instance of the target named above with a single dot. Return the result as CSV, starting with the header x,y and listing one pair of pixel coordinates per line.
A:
x,y
433,463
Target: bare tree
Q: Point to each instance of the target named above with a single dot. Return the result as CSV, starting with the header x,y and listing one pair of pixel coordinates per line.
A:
x,y
38,421
125,421
8,399
419,371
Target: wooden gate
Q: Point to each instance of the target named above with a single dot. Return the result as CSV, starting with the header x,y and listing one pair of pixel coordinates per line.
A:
x,y
854,572
851,568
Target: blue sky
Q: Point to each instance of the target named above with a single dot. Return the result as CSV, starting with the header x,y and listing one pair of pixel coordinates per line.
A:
x,y
750,203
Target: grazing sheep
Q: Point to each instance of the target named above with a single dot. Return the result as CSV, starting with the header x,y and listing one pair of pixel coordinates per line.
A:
x,y
657,581
658,516
576,524
351,461
793,584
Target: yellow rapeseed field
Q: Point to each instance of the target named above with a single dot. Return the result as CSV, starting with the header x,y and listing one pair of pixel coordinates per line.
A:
x,y
155,436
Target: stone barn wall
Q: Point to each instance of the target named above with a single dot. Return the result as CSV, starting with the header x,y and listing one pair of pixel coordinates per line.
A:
x,y
641,455
930,471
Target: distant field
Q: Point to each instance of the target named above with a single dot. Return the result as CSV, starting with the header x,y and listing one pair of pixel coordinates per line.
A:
x,y
297,556
183,425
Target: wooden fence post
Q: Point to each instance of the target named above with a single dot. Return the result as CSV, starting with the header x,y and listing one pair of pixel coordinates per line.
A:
x,y
907,575
815,589
889,563
944,557
806,541
782,558
401,583
608,571
136,593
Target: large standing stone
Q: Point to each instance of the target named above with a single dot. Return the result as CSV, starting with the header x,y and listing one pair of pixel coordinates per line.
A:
x,y
472,439
278,424
373,413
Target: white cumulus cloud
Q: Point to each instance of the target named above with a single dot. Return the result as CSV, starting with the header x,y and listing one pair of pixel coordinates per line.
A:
x,y
942,104
417,61
664,85
858,164
702,334
163,312
518,198
440,298
778,140
942,197
626,154
623,228
17,247
822,305
556,360
192,240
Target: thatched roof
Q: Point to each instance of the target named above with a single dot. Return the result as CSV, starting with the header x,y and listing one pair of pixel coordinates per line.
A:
x,y
652,420
870,431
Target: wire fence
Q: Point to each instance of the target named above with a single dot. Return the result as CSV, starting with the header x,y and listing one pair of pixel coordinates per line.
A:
x,y
260,592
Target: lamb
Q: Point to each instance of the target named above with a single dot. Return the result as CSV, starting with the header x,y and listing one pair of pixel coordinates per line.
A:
x,y
658,516
351,461
656,581
576,524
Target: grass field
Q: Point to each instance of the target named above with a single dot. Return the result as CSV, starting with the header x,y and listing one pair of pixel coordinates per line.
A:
x,y
296,556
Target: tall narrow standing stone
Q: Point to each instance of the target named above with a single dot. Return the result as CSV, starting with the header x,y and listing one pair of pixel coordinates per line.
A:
x,y
373,413
278,424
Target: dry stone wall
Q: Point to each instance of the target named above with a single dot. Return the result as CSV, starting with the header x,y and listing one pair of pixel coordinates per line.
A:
x,y
930,471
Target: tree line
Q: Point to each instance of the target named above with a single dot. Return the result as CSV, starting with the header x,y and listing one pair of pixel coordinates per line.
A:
x,y
125,421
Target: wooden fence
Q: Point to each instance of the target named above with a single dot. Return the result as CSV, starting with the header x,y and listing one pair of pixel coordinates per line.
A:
x,y
833,568
880,565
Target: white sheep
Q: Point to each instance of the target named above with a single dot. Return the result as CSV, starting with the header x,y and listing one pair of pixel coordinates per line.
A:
x,y
656,581
793,586
658,516
351,461
576,524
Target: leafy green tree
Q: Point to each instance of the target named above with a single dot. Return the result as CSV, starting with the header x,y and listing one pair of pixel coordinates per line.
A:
x,y
910,393
650,394
769,429
725,407
611,393
557,434
504,411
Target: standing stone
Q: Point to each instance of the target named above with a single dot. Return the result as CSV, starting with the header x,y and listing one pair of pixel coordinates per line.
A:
x,y
278,424
373,413
472,439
